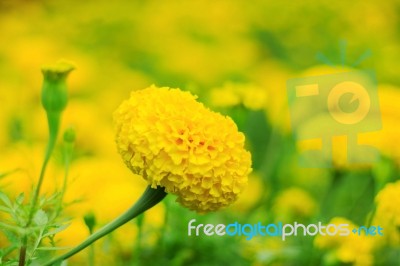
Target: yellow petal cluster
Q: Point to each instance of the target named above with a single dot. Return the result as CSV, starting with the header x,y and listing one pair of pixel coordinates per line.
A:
x,y
175,142
231,94
388,203
351,249
293,203
387,212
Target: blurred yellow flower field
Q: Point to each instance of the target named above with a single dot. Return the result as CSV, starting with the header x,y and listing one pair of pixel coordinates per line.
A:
x,y
237,58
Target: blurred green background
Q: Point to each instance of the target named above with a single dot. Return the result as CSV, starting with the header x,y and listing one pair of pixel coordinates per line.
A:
x,y
236,56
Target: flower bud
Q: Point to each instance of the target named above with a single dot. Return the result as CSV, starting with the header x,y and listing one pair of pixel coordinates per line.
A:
x,y
69,135
90,221
54,89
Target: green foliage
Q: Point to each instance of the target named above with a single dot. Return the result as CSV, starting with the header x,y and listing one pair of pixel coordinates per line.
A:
x,y
46,224
30,224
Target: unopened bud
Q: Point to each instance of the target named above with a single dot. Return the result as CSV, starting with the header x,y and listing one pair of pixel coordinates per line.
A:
x,y
54,89
69,135
90,221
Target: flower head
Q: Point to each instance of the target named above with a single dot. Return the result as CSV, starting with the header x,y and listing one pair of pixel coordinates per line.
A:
x,y
231,94
351,249
175,142
388,201
54,89
387,212
293,203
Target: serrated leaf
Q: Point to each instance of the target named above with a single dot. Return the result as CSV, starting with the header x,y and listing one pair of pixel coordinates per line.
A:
x,y
4,198
7,250
40,218
5,209
11,263
8,228
56,231
20,199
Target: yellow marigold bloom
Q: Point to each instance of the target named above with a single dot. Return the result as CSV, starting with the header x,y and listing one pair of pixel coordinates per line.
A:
x,y
389,97
293,203
231,94
175,142
388,212
388,202
253,191
351,249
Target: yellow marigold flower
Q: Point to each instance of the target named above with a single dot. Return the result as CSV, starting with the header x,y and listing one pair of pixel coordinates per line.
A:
x,y
293,203
351,249
231,94
389,97
224,97
253,191
388,201
388,212
175,142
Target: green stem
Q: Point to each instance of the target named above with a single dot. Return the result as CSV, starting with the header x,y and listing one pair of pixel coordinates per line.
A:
x,y
149,198
53,121
22,253
91,255
138,246
67,156
90,227
163,230
37,243
54,100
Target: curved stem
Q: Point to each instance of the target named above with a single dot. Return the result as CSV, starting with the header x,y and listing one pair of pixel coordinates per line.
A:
x,y
149,198
54,101
67,159
53,121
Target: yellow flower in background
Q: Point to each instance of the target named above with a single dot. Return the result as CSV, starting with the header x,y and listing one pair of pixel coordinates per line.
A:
x,y
23,163
293,203
111,197
388,202
384,139
332,241
388,211
173,141
115,243
224,97
194,34
272,76
254,191
231,94
265,251
115,189
353,249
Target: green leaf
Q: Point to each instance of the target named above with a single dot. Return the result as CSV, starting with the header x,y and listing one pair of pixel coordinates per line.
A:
x,y
258,133
12,233
5,199
56,231
10,263
5,209
40,218
20,199
5,251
